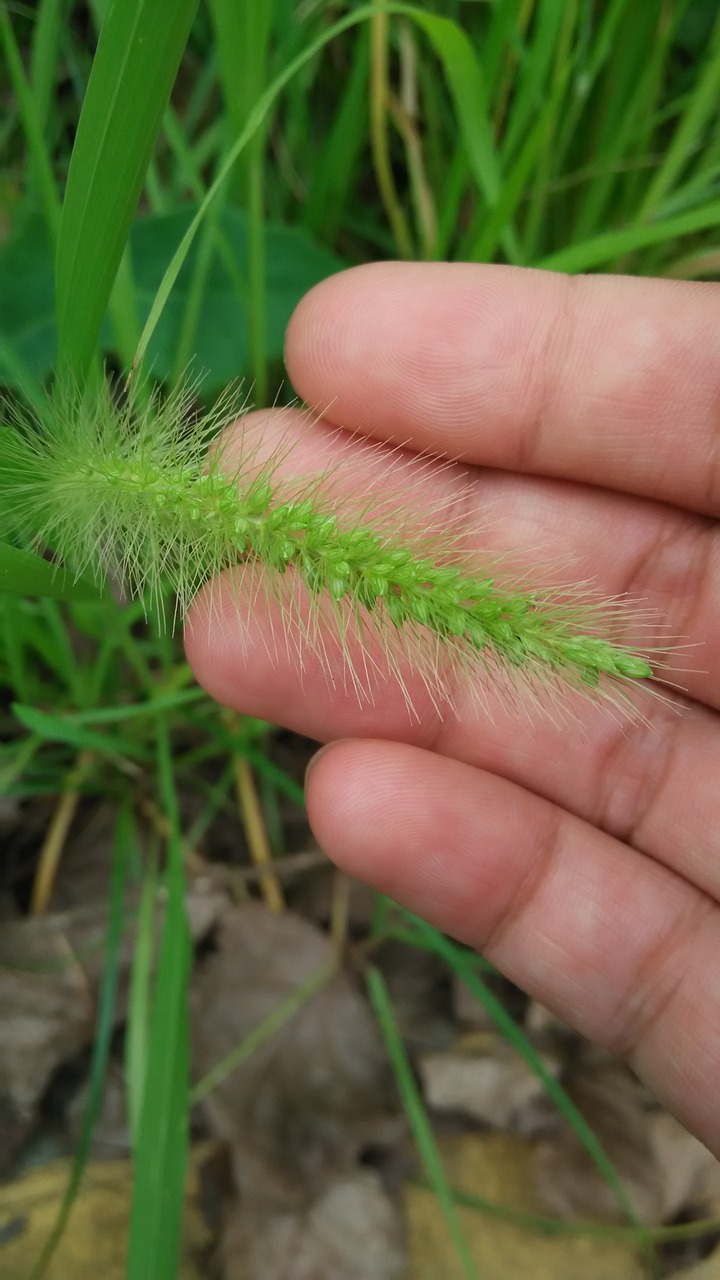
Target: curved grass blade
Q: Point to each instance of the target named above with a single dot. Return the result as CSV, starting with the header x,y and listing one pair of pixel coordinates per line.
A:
x,y
138,53
418,1118
463,75
465,966
601,250
57,727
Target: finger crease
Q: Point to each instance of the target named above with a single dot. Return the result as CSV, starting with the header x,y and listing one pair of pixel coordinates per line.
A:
x,y
658,981
556,342
633,774
713,469
676,567
546,847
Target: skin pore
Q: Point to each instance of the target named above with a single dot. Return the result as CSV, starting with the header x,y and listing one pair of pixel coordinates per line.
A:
x,y
580,855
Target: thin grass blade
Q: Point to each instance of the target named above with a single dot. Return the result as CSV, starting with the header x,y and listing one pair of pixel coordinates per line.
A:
x,y
418,1118
160,1156
464,80
45,55
33,127
702,106
464,965
600,250
140,998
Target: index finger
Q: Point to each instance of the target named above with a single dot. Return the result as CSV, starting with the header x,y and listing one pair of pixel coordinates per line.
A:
x,y
604,379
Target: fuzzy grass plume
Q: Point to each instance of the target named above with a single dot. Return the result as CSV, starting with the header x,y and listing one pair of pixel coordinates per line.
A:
x,y
129,487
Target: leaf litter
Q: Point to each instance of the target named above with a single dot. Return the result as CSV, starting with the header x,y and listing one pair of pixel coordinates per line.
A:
x,y
299,1113
318,1179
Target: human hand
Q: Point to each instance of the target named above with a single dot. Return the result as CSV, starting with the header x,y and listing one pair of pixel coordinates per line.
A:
x,y
583,859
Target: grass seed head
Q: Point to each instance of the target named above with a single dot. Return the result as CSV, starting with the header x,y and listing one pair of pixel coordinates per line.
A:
x,y
129,488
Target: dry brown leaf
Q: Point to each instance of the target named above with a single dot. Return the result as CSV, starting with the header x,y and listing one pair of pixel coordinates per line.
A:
x,y
417,986
708,1269
45,1018
484,1077
72,943
351,1232
542,1024
86,865
498,1167
467,1009
689,1173
110,1136
302,1107
10,814
95,1240
313,895
50,968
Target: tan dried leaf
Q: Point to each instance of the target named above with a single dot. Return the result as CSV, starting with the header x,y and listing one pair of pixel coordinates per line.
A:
x,y
351,1232
301,1108
484,1077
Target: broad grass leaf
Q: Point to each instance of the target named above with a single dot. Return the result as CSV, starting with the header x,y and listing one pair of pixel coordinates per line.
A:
x,y
295,261
138,53
25,574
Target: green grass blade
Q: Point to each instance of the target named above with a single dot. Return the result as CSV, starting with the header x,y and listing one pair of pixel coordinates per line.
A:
x,y
418,1118
17,373
703,104
125,844
534,74
242,37
195,296
45,55
139,999
539,1223
502,45
32,125
138,53
243,30
55,727
25,574
134,710
464,77
23,753
331,183
602,49
601,250
160,1156
123,310
620,118
488,234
